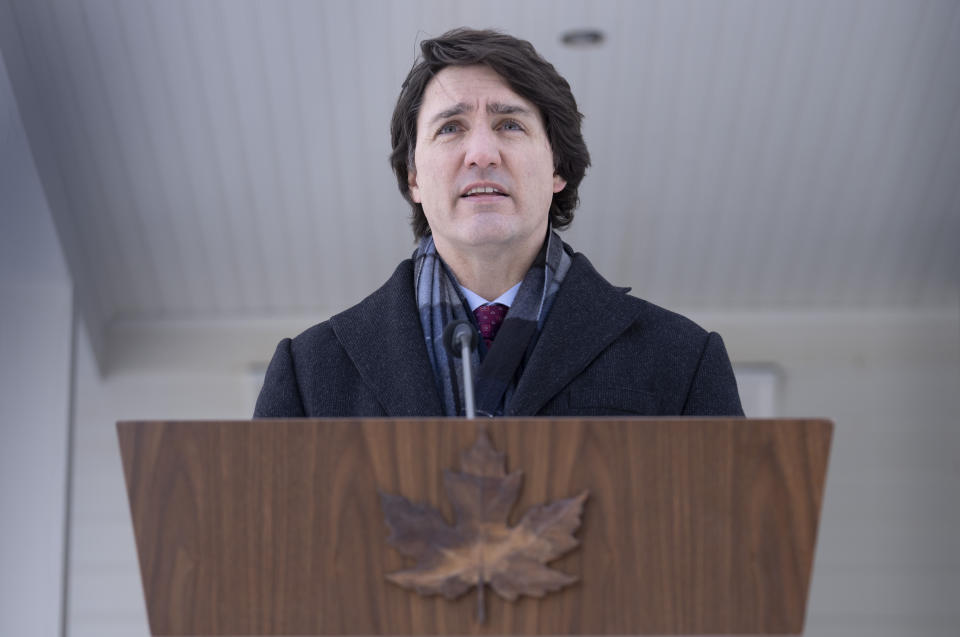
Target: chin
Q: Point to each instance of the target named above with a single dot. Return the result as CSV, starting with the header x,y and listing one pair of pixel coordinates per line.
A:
x,y
490,234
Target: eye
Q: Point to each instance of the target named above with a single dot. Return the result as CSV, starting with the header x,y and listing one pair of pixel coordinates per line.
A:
x,y
511,125
446,129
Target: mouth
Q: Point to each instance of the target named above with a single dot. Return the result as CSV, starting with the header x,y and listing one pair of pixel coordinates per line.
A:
x,y
484,191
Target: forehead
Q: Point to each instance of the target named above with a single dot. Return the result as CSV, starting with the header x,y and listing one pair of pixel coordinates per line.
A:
x,y
473,86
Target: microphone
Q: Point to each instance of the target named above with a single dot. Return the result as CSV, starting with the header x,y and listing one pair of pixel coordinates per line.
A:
x,y
461,339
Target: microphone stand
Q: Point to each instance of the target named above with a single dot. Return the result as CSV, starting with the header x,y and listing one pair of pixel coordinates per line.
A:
x,y
461,339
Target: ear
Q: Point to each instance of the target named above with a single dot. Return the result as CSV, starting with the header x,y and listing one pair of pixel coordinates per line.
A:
x,y
559,183
412,185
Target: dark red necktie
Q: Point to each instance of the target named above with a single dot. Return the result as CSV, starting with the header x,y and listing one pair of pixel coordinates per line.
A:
x,y
489,318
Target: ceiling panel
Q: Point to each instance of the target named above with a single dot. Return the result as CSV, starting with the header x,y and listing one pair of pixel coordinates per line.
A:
x,y
229,158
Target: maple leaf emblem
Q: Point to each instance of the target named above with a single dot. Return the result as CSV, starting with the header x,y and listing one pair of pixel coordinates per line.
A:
x,y
480,548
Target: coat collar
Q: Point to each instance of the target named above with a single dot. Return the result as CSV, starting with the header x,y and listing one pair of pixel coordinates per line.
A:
x,y
587,316
383,337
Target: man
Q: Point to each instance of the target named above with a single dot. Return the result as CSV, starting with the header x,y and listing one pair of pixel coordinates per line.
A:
x,y
488,151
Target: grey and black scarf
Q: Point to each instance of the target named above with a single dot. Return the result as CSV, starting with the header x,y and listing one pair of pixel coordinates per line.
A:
x,y
496,372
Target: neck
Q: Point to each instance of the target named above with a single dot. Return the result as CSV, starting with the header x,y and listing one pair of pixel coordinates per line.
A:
x,y
491,271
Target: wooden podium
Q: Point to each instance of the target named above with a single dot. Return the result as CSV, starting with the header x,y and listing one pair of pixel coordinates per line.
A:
x,y
275,527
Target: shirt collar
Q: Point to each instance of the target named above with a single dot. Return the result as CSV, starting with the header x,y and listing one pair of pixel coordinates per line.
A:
x,y
475,300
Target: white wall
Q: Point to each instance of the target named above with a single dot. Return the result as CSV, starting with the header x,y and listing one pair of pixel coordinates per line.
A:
x,y
35,348
888,558
106,597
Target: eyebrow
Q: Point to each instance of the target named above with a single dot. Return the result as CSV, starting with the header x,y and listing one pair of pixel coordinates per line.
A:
x,y
494,108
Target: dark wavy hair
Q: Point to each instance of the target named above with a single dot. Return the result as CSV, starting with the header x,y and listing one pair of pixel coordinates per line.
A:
x,y
528,74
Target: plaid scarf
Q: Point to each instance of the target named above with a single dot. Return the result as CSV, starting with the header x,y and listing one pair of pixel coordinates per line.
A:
x,y
496,372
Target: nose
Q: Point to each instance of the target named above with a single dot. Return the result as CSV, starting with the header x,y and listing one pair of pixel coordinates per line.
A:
x,y
482,148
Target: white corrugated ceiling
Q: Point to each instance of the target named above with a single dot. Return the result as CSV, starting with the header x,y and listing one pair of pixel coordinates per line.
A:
x,y
228,158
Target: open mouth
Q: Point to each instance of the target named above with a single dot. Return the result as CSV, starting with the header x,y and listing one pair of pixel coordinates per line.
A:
x,y
484,191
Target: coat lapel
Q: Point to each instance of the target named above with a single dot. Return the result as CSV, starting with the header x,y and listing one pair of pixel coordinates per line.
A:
x,y
383,337
587,315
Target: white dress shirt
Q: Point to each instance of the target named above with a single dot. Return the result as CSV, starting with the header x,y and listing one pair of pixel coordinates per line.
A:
x,y
475,300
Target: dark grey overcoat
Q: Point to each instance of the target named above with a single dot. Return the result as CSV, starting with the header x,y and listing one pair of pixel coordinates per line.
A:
x,y
601,352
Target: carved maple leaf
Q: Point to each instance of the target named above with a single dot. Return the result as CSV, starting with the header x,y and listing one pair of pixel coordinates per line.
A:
x,y
480,548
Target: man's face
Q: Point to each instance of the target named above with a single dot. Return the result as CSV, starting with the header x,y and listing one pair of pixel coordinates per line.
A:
x,y
475,134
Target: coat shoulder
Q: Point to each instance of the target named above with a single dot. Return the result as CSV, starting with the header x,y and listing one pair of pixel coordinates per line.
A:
x,y
325,334
675,365
665,325
316,340
655,321
314,374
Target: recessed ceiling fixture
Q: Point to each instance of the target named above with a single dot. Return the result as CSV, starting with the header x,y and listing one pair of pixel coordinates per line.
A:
x,y
583,38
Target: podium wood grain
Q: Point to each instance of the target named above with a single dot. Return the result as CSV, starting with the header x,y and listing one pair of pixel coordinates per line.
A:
x,y
274,527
